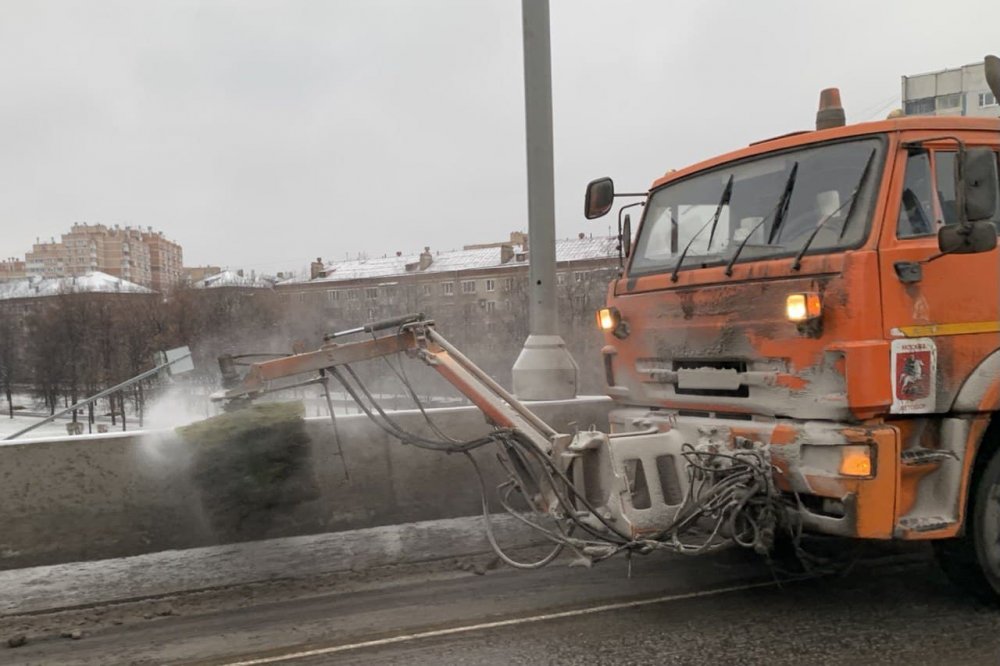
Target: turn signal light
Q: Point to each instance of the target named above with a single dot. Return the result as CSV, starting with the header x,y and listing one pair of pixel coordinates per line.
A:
x,y
856,460
803,307
607,319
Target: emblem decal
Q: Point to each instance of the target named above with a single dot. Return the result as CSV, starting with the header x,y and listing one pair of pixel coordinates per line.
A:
x,y
914,375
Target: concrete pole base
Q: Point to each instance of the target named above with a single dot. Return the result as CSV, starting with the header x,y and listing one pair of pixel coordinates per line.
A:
x,y
545,370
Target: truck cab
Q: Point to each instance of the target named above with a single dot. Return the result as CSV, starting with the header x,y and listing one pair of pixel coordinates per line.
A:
x,y
833,295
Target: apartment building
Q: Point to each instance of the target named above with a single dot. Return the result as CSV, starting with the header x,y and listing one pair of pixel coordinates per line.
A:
x,y
142,256
12,268
960,91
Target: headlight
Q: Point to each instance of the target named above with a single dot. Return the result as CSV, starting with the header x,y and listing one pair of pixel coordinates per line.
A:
x,y
803,307
607,319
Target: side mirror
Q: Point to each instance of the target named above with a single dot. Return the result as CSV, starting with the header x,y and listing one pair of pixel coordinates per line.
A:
x,y
600,197
977,183
970,238
626,237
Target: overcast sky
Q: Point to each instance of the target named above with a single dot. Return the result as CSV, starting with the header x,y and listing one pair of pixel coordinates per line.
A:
x,y
262,134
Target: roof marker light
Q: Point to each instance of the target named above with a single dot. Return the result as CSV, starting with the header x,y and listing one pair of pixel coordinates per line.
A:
x,y
830,113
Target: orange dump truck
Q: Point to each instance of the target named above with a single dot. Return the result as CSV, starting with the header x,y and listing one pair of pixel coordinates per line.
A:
x,y
834,295
805,337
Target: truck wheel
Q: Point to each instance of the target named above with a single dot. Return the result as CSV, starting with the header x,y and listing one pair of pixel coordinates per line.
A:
x,y
972,561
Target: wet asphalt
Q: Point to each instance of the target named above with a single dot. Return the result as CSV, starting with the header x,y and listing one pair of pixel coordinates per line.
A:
x,y
891,609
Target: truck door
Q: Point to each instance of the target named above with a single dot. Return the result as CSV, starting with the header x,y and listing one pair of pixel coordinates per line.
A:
x,y
942,316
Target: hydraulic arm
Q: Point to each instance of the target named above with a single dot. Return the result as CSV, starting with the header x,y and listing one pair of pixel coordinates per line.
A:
x,y
597,493
416,337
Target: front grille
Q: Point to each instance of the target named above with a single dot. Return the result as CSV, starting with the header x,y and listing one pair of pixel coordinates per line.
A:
x,y
695,364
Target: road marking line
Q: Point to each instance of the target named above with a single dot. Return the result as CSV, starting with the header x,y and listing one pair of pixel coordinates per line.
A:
x,y
402,638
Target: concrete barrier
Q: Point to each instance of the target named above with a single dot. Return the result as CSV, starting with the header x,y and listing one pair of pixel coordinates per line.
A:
x,y
79,584
122,494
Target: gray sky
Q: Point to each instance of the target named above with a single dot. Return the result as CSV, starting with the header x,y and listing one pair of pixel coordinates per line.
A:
x,y
262,134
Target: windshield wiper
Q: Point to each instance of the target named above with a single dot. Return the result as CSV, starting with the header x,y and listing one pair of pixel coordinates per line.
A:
x,y
782,205
786,198
851,200
727,193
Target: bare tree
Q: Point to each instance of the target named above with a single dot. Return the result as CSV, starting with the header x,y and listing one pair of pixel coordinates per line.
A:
x,y
11,341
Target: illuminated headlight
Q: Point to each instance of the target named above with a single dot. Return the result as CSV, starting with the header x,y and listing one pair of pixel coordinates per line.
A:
x,y
801,308
609,319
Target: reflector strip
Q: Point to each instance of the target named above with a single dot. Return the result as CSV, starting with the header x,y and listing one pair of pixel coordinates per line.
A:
x,y
961,328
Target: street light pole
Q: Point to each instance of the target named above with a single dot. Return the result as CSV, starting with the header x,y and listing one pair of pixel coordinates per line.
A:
x,y
544,370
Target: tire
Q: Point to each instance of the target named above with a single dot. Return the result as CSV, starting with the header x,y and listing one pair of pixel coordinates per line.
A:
x,y
972,561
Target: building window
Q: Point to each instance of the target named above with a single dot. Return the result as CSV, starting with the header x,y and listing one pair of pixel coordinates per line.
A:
x,y
987,99
578,276
491,285
427,290
333,296
508,284
372,313
469,287
448,288
560,279
952,101
353,294
491,306
915,107
371,292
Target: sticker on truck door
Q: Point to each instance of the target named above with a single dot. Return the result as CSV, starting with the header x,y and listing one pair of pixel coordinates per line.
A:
x,y
914,374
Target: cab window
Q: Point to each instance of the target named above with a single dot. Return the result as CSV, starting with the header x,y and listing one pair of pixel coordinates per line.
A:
x,y
945,174
916,209
929,201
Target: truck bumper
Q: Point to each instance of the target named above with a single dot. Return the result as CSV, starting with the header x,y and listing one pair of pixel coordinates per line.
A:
x,y
819,467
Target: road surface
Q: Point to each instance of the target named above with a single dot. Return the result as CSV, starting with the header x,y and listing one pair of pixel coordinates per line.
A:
x,y
891,609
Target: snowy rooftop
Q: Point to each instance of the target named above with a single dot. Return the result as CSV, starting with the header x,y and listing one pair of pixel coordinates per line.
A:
x,y
573,249
96,282
234,279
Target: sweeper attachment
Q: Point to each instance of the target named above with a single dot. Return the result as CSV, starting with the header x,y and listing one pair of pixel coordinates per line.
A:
x,y
685,488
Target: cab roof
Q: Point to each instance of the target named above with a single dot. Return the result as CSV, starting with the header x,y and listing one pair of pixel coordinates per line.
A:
x,y
805,138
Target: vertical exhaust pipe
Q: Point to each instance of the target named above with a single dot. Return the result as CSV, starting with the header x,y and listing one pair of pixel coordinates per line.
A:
x,y
992,67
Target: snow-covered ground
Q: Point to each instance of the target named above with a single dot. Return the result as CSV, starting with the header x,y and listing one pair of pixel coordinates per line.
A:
x,y
166,411
179,406
57,428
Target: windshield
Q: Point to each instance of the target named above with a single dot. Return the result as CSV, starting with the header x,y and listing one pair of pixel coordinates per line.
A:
x,y
715,212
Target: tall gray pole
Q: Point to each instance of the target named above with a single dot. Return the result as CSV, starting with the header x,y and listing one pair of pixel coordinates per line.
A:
x,y
544,370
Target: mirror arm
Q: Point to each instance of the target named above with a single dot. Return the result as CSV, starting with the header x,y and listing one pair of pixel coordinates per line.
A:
x,y
933,257
621,241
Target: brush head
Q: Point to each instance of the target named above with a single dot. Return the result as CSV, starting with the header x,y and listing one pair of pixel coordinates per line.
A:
x,y
251,466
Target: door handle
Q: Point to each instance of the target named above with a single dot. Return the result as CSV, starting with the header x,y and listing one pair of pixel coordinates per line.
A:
x,y
909,272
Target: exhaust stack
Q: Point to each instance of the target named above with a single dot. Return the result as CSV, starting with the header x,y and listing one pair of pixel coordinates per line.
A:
x,y
992,67
830,113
